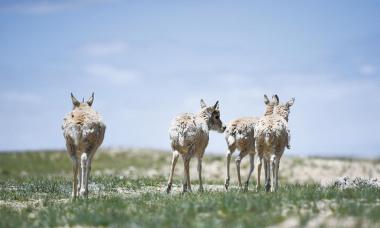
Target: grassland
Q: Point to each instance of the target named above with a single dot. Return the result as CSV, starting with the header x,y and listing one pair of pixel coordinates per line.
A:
x,y
127,189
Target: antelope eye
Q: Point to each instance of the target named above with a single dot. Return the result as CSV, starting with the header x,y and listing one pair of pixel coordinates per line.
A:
x,y
216,117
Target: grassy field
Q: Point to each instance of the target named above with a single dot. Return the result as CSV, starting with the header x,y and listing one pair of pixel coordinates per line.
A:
x,y
127,189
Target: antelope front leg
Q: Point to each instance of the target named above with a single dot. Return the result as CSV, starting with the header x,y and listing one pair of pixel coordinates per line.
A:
x,y
79,178
88,170
200,174
186,176
89,165
267,175
228,160
259,164
277,166
174,162
84,167
273,170
238,161
74,193
251,168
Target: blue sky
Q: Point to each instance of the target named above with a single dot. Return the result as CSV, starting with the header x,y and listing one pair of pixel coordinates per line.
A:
x,y
147,61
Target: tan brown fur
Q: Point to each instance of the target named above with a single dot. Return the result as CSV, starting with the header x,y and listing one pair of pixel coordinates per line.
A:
x,y
83,130
240,134
272,137
189,136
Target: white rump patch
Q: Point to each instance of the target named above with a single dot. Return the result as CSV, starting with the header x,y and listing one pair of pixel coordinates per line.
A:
x,y
267,138
75,133
83,157
230,140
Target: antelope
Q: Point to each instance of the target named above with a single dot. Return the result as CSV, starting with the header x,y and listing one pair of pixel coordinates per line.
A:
x,y
271,139
189,136
83,130
240,134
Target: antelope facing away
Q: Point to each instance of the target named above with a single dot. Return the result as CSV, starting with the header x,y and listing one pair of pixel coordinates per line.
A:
x,y
189,135
240,134
83,130
271,138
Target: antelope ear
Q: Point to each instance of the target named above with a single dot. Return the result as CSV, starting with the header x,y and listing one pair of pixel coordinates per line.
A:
x,y
275,99
203,104
291,102
74,100
216,105
266,100
91,99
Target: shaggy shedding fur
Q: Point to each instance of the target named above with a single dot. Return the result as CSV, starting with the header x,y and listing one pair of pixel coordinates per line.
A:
x,y
240,134
83,130
272,136
189,135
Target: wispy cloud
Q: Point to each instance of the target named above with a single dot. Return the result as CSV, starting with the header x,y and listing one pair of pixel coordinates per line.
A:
x,y
46,6
112,74
20,97
327,106
367,69
98,49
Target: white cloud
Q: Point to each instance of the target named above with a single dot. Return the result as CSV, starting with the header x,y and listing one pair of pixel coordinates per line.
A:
x,y
39,7
46,6
112,74
332,115
105,48
367,69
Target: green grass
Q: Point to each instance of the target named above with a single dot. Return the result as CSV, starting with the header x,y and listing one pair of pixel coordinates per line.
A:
x,y
58,163
39,200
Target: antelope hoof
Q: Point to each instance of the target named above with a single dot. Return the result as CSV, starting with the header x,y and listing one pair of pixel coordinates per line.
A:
x,y
267,187
168,189
201,189
246,187
257,188
83,192
227,183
